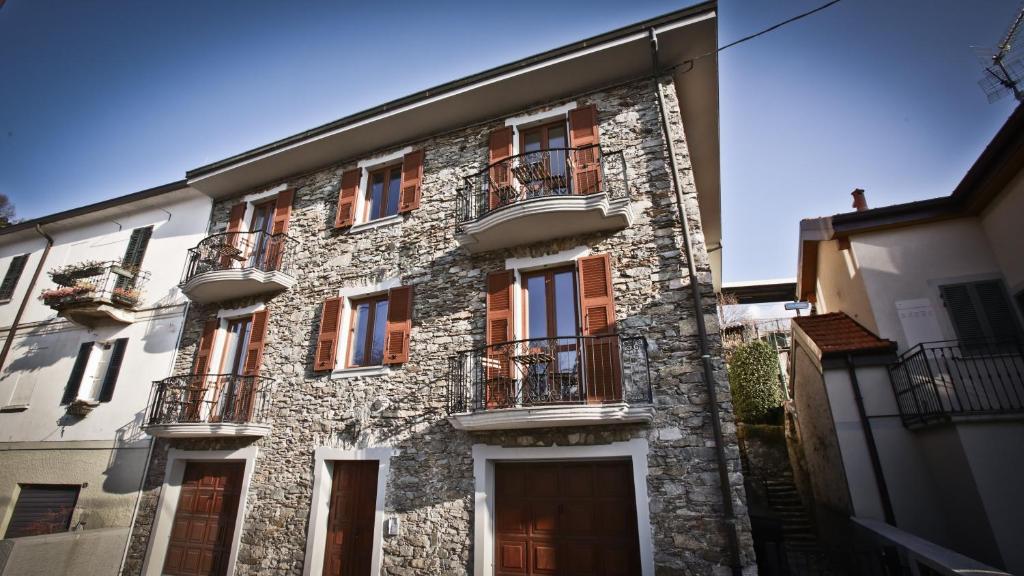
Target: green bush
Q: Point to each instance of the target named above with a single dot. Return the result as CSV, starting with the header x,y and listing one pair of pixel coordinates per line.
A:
x,y
754,380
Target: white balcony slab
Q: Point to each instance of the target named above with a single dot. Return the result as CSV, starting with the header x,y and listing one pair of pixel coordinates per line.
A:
x,y
542,219
92,314
221,285
208,430
552,416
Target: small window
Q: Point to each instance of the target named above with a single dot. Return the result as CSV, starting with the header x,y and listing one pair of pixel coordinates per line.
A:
x,y
42,509
369,321
382,192
12,276
981,313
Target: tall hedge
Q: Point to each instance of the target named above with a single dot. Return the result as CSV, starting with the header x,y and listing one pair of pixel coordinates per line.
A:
x,y
754,380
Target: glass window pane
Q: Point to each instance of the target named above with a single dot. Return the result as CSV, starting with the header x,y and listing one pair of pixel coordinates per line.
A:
x,y
240,341
531,141
556,137
565,304
537,308
380,323
362,316
376,196
394,188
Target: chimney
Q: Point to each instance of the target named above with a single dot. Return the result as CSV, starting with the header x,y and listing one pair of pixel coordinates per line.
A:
x,y
859,202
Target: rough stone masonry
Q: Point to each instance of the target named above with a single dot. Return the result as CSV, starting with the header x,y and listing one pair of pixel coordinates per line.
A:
x,y
430,488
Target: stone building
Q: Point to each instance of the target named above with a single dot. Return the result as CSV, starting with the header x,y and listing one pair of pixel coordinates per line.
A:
x,y
459,333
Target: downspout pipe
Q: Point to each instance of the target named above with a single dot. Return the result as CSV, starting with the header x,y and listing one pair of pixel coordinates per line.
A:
x,y
728,510
869,438
28,294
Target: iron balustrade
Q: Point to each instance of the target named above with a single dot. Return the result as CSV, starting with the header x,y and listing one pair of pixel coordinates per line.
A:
x,y
530,176
96,282
936,381
237,251
209,399
550,371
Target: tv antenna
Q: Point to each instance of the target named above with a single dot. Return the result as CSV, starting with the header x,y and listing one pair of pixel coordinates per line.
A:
x,y
1003,72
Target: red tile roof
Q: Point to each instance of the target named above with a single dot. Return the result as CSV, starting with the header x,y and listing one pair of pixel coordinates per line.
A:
x,y
837,333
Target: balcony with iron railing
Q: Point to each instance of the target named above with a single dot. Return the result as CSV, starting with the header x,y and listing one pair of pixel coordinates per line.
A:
x,y
939,382
548,382
543,195
90,293
233,265
209,405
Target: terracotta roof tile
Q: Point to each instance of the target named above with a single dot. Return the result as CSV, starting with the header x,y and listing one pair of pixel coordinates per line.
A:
x,y
837,333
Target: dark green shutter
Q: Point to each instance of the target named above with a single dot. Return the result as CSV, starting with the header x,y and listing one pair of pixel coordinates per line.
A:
x,y
998,312
75,381
134,254
110,378
980,311
12,276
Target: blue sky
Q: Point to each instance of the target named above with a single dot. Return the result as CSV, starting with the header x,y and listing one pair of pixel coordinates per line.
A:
x,y
103,98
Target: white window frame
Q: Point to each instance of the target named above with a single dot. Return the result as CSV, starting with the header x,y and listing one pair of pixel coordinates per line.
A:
x,y
485,456
361,222
92,370
171,491
323,476
531,264
524,121
348,295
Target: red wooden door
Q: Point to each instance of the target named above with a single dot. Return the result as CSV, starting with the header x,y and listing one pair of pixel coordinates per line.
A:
x,y
350,521
564,518
204,522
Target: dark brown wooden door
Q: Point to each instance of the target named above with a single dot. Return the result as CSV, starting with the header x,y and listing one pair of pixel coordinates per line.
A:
x,y
204,523
350,521
565,518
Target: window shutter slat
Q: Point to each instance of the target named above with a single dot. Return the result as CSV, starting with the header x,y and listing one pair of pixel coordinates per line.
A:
x,y
282,216
399,325
327,341
966,321
346,215
75,380
201,365
499,148
586,162
113,369
137,245
412,180
500,287
12,276
235,217
998,313
254,352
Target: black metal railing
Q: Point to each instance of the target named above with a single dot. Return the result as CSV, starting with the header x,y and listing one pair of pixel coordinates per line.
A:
x,y
209,399
96,282
549,371
936,381
237,251
556,172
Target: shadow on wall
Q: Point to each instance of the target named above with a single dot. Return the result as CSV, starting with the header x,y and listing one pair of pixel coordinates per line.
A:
x,y
161,336
30,356
124,468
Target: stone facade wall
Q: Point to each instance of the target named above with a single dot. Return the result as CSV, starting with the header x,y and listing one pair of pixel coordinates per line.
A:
x,y
431,482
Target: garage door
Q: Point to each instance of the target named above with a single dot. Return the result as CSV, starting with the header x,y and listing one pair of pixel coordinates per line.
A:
x,y
204,522
565,518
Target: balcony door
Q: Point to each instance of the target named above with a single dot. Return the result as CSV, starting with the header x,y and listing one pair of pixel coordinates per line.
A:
x,y
261,227
231,395
550,363
543,167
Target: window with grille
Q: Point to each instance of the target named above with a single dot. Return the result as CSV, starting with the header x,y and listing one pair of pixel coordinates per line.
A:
x,y
12,276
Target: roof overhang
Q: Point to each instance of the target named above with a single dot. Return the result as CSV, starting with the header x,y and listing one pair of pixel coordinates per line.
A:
x,y
593,63
761,291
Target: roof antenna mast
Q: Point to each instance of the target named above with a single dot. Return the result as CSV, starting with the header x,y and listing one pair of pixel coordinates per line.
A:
x,y
1003,76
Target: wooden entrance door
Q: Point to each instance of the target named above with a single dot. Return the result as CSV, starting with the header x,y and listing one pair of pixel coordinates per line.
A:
x,y
350,521
560,518
204,522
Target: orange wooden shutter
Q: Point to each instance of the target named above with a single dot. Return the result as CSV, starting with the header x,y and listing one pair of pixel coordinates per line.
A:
x,y
201,365
500,289
327,342
500,148
346,215
586,157
235,217
412,180
601,365
283,211
396,345
254,352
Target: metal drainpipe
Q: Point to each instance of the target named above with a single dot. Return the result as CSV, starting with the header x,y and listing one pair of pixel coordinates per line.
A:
x,y
28,294
869,437
729,512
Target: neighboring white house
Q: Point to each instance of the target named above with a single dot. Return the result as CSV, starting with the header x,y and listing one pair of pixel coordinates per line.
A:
x,y
919,334
90,314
